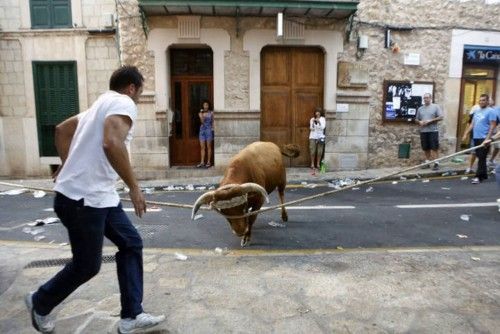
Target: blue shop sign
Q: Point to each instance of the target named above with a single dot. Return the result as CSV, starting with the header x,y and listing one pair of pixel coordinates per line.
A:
x,y
481,54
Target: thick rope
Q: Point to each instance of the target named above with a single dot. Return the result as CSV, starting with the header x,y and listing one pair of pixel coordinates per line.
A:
x,y
187,206
357,184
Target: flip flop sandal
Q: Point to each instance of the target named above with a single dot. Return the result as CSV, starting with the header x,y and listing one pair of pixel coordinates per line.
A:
x,y
200,165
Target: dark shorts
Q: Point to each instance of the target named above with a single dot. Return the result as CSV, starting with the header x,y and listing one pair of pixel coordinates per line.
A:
x,y
206,134
429,140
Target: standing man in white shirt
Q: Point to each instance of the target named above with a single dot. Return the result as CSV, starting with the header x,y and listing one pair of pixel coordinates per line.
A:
x,y
317,126
93,149
427,118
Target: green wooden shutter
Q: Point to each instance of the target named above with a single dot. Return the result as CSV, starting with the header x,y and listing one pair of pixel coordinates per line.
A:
x,y
47,14
56,98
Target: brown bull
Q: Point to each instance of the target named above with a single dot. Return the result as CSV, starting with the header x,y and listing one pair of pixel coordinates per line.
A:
x,y
251,174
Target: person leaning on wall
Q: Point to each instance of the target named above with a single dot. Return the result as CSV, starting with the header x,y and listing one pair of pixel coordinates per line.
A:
x,y
317,126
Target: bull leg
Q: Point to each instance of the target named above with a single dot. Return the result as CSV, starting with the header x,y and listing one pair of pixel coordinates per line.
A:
x,y
281,192
245,241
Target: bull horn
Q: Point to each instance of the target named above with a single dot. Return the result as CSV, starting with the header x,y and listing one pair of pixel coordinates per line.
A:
x,y
254,187
206,198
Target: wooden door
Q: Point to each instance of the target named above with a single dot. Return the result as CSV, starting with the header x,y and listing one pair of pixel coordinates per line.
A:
x,y
188,95
191,84
292,87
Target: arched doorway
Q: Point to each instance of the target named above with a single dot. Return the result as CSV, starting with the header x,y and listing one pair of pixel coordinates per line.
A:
x,y
292,80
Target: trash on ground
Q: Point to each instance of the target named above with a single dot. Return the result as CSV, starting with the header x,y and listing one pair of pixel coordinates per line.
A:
x,y
39,193
310,185
46,221
402,178
126,189
463,178
201,188
303,183
355,188
14,192
462,236
340,248
475,258
148,190
39,237
276,224
394,182
169,188
50,243
26,230
180,256
465,217
198,216
334,185
425,181
445,188
221,251
445,174
211,188
36,231
369,189
190,187
63,244
457,160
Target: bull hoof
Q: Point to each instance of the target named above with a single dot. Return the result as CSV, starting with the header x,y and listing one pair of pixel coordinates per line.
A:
x,y
245,241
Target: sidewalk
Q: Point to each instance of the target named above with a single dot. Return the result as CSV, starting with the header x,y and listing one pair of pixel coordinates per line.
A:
x,y
417,290
359,291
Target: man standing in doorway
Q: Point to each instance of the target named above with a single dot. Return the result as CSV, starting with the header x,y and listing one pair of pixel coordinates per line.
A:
x,y
427,118
482,126
93,150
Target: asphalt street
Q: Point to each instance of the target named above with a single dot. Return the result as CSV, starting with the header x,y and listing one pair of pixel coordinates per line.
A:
x,y
406,213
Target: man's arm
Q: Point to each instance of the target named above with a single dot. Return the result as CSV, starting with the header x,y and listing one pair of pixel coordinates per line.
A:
x,y
116,128
64,135
62,139
467,131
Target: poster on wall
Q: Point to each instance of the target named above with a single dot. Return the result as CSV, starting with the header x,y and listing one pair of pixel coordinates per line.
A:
x,y
403,98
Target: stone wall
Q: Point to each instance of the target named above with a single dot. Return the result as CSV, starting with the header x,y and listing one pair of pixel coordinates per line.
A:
x,y
95,13
13,109
102,60
10,15
432,22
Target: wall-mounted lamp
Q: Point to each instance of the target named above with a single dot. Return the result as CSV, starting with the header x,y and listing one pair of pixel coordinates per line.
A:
x,y
363,42
279,25
387,40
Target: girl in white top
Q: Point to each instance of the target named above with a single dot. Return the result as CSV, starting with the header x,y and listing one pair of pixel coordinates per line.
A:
x,y
317,126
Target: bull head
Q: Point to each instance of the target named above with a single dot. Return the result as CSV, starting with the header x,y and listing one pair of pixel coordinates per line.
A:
x,y
231,200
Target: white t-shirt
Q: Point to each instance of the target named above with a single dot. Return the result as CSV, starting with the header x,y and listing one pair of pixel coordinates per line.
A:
x,y
317,130
87,172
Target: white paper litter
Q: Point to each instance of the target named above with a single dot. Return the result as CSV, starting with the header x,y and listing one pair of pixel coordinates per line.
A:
x,y
369,189
311,185
425,181
276,224
303,183
14,192
201,188
394,182
26,230
190,187
211,188
63,244
221,251
355,188
463,178
39,194
445,188
46,221
198,216
475,258
39,237
180,256
36,231
148,190
465,217
462,236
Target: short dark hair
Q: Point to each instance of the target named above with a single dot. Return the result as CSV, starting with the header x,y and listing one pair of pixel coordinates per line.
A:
x,y
125,76
484,95
209,104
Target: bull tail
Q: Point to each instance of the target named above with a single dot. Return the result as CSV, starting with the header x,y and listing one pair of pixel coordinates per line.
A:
x,y
290,150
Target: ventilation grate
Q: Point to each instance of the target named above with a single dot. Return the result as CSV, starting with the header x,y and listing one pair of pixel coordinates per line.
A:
x,y
188,26
62,262
293,30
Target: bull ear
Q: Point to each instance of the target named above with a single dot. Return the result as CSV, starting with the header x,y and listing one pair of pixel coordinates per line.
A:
x,y
254,187
206,198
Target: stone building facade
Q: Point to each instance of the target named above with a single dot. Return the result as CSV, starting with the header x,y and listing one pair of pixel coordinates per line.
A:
x,y
426,43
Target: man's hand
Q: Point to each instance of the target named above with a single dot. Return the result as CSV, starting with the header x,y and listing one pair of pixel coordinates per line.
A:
x,y
58,170
138,200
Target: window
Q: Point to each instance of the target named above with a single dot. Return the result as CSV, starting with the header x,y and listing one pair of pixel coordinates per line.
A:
x,y
46,14
56,98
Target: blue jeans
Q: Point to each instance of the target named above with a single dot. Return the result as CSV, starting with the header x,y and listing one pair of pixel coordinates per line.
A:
x,y
87,227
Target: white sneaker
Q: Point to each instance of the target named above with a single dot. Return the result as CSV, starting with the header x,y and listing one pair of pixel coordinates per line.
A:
x,y
42,323
141,322
475,180
468,171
